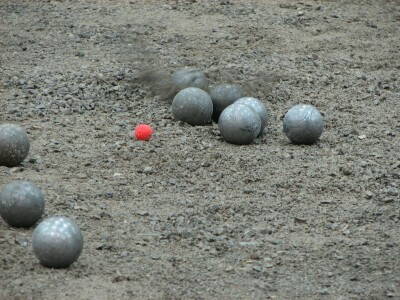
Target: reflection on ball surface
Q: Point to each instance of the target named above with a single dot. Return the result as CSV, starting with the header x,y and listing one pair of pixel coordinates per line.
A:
x,y
223,95
57,242
239,124
21,203
14,145
192,105
303,124
258,107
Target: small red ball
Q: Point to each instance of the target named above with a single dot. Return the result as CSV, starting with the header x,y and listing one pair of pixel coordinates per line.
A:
x,y
143,132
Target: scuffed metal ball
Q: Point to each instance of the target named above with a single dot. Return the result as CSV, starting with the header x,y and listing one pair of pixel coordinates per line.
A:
x,y
239,124
258,107
21,203
57,242
303,124
223,95
192,105
189,77
14,145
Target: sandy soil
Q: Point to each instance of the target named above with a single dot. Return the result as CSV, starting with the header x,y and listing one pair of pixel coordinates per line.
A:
x,y
186,215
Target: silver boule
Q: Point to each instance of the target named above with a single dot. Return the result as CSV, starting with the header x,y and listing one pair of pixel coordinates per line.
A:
x,y
14,145
57,242
189,77
303,124
258,107
223,95
21,203
192,105
239,124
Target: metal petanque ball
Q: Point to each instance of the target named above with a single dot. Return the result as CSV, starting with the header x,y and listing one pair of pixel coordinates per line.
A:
x,y
258,107
21,203
303,124
57,242
189,77
192,105
223,95
14,145
239,124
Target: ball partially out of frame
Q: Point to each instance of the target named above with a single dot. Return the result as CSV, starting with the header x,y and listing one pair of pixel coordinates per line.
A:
x,y
192,105
239,124
21,203
14,145
258,107
303,124
57,242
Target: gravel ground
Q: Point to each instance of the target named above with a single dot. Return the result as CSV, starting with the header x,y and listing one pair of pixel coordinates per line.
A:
x,y
187,215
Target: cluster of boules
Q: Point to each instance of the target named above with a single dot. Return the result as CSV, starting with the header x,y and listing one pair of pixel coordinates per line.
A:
x,y
241,118
57,241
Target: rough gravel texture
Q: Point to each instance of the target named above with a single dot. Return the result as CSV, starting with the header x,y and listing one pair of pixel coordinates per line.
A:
x,y
187,215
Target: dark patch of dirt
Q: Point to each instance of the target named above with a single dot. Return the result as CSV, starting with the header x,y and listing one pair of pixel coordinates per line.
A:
x,y
186,215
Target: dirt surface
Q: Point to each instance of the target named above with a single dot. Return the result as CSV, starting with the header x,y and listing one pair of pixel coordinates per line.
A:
x,y
187,215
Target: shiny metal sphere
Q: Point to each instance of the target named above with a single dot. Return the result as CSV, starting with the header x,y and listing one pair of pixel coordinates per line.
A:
x,y
239,124
189,77
14,145
21,203
192,105
303,124
57,242
223,95
258,107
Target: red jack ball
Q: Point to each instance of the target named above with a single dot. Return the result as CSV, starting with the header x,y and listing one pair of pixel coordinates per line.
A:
x,y
143,132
